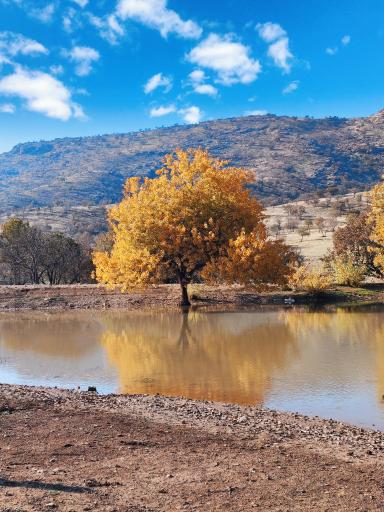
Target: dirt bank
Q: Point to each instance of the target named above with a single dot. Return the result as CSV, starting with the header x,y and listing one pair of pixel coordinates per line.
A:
x,y
98,297
72,451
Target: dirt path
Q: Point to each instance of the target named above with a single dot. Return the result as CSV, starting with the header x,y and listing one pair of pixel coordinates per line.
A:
x,y
69,451
93,296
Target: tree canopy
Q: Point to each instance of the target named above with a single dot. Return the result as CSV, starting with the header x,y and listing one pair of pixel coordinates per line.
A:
x,y
377,219
197,219
29,255
353,243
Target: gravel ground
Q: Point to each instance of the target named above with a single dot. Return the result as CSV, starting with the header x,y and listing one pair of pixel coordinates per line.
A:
x,y
93,296
78,451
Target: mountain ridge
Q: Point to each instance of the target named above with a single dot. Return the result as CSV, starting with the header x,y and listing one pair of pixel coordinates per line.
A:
x,y
292,157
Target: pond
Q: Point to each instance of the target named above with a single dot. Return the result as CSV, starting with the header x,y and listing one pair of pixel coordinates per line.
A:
x,y
325,363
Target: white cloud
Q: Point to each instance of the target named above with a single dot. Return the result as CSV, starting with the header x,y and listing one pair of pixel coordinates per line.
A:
x,y
208,89
44,14
155,14
345,40
197,78
109,27
56,69
256,112
331,51
279,52
42,93
83,57
81,3
270,32
72,19
12,44
191,115
278,48
7,108
67,23
230,59
291,87
162,111
158,80
113,27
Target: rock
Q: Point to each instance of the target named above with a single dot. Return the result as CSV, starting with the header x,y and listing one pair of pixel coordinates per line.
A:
x,y
92,389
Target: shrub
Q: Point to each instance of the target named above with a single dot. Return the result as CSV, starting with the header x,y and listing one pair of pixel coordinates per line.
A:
x,y
347,272
309,279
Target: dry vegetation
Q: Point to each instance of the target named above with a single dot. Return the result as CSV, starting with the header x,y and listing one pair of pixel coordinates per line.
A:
x,y
291,157
86,222
318,238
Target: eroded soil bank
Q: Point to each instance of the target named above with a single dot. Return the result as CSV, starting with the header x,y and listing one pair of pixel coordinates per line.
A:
x,y
62,297
78,451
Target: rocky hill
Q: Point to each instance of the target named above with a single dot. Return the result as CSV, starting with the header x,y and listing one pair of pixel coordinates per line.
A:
x,y
291,157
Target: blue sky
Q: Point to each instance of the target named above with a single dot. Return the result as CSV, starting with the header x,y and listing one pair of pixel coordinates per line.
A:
x,y
83,67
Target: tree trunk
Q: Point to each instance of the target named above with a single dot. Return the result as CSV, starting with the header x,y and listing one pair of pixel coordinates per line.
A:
x,y
184,296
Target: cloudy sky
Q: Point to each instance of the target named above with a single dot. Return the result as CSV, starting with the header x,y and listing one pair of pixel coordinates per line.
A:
x,y
82,67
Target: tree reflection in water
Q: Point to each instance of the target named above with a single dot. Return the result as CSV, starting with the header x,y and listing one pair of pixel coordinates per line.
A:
x,y
239,356
216,356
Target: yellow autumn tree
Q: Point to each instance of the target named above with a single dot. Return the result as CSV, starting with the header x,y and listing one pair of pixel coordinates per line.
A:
x,y
197,217
377,219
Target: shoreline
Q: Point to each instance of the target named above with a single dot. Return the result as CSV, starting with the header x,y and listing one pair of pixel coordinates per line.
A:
x,y
157,453
94,296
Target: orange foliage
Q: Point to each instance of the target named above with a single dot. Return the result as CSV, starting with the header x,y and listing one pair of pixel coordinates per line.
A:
x,y
197,217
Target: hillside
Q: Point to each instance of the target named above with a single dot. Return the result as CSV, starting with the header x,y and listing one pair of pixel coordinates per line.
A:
x,y
86,222
291,157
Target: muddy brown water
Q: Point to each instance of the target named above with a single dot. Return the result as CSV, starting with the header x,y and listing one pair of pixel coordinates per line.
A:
x,y
324,363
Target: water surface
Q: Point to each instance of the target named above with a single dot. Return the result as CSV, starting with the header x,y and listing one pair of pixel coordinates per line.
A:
x,y
322,363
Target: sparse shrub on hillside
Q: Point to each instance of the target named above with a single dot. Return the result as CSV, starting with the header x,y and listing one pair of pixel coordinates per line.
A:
x,y
303,231
291,224
320,224
332,224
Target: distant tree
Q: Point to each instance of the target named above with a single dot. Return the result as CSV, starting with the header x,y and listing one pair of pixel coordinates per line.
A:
x,y
301,210
303,231
353,241
308,223
196,219
320,224
29,255
290,209
65,260
291,224
332,223
338,207
22,250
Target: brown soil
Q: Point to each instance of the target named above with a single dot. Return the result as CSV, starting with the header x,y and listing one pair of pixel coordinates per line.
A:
x,y
72,451
44,297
